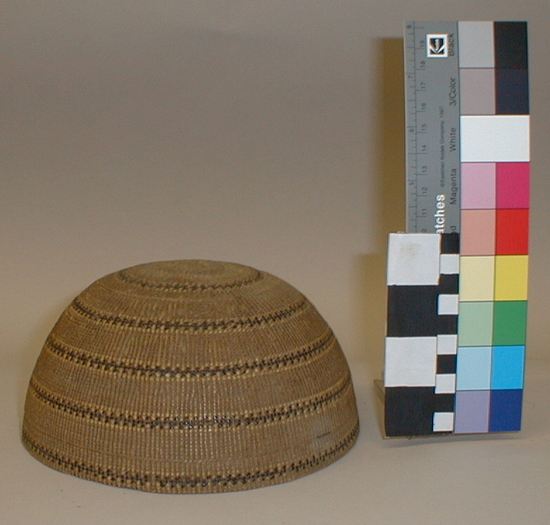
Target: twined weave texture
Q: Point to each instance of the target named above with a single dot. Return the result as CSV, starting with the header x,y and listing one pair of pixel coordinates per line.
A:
x,y
190,377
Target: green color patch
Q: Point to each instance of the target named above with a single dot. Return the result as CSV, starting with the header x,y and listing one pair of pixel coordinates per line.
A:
x,y
510,323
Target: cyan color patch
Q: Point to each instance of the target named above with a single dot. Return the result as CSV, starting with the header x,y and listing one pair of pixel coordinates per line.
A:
x,y
508,365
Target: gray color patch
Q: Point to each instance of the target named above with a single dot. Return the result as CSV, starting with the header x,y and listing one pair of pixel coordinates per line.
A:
x,y
476,44
477,91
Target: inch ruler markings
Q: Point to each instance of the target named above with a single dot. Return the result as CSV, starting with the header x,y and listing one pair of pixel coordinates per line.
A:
x,y
432,127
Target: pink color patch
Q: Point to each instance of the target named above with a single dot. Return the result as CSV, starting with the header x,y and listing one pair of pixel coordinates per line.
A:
x,y
477,232
513,184
478,181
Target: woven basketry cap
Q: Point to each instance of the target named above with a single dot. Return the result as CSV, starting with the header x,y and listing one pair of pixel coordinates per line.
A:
x,y
190,377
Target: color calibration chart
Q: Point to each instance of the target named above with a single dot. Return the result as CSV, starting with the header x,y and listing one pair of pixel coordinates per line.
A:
x,y
458,278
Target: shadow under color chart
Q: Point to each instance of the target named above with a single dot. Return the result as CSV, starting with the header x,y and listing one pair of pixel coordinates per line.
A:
x,y
457,300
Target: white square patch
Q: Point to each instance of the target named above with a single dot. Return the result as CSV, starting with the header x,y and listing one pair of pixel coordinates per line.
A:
x,y
410,361
447,344
448,304
413,259
445,383
449,263
444,422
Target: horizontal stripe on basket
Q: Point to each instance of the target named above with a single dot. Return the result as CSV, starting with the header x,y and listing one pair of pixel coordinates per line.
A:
x,y
221,325
194,287
268,363
197,422
165,483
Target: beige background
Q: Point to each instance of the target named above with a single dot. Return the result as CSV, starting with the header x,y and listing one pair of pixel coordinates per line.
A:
x,y
265,133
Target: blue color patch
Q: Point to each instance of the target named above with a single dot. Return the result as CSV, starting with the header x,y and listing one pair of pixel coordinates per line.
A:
x,y
505,414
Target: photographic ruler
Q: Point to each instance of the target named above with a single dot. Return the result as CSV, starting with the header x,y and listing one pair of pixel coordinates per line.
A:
x,y
458,278
432,121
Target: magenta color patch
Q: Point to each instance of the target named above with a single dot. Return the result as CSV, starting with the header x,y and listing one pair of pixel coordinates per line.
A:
x,y
513,184
478,181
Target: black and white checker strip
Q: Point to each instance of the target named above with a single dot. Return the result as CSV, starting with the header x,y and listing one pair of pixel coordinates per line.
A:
x,y
422,328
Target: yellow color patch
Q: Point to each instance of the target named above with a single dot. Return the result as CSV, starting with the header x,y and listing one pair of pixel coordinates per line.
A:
x,y
477,277
511,277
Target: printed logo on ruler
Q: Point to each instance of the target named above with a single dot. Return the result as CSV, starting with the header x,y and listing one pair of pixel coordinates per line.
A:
x,y
438,46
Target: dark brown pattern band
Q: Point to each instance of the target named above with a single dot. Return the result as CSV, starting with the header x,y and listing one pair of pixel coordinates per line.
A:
x,y
179,423
194,287
141,480
187,326
268,363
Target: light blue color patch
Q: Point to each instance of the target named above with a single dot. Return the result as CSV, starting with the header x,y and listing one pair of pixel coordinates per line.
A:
x,y
473,368
508,367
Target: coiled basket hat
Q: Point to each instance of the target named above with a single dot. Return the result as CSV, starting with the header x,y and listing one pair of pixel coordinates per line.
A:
x,y
190,377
